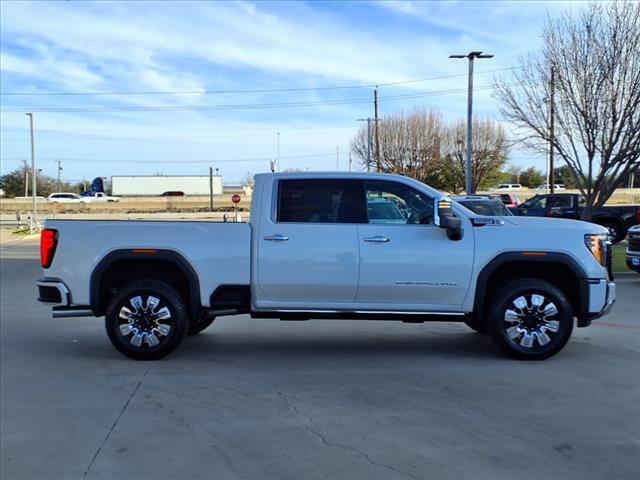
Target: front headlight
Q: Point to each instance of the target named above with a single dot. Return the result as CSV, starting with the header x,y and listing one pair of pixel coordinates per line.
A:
x,y
597,245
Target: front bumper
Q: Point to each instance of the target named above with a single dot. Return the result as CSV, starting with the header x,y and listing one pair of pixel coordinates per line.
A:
x,y
598,297
633,261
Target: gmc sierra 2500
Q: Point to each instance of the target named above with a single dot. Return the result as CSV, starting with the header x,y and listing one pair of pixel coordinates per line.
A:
x,y
334,245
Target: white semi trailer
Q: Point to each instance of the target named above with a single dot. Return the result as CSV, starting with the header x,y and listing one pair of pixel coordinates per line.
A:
x,y
144,185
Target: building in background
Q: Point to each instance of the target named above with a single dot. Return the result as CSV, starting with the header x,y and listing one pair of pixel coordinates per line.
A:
x,y
144,185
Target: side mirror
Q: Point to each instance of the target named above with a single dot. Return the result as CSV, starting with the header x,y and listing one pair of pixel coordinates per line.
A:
x,y
444,217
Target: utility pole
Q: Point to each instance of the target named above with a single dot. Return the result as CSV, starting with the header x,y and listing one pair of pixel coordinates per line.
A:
x,y
377,120
26,177
552,114
278,152
59,170
349,161
368,120
34,213
211,189
471,56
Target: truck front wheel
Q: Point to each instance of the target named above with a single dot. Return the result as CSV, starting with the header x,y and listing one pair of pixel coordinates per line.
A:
x,y
530,319
146,320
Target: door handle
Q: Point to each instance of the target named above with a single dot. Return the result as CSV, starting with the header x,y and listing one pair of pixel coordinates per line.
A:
x,y
376,239
276,238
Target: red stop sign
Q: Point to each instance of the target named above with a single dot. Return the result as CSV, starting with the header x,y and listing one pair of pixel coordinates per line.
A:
x,y
235,198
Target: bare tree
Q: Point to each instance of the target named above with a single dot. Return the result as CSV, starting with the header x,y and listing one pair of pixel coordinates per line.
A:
x,y
488,158
248,179
409,143
596,58
419,145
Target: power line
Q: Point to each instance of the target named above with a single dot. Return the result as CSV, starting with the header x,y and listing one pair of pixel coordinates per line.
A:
x,y
64,136
162,162
245,106
258,90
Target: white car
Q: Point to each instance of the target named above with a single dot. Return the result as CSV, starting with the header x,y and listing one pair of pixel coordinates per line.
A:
x,y
547,186
66,198
97,197
314,249
508,186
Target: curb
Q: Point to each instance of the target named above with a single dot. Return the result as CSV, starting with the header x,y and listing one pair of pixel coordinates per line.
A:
x,y
19,238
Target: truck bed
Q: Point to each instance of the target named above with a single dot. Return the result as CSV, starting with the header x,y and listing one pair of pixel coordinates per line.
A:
x,y
219,253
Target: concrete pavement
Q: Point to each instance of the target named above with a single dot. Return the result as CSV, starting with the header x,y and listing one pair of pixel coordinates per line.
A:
x,y
314,400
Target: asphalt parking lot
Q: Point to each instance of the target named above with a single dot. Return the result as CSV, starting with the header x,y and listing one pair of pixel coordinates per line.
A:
x,y
261,399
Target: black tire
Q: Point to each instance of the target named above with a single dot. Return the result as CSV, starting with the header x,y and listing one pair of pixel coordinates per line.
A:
x,y
477,325
146,320
534,332
616,232
199,324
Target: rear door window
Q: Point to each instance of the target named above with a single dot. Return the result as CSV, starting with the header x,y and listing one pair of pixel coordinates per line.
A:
x,y
321,201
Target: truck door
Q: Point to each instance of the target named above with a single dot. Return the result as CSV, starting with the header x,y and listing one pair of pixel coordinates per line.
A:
x,y
406,262
307,250
534,207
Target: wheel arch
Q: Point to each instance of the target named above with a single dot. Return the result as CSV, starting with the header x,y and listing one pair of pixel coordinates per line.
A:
x,y
158,264
557,268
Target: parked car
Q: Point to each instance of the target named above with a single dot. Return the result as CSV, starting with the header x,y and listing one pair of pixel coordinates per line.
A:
x,y
617,219
311,250
633,249
172,193
508,186
547,186
97,197
483,204
66,198
509,199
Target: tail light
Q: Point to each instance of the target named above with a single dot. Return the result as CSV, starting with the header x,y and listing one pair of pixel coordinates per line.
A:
x,y
48,243
638,214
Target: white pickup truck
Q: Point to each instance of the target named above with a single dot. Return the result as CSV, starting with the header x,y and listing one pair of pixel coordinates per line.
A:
x,y
334,245
97,197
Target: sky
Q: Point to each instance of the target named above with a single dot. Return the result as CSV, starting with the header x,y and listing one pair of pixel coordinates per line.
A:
x,y
120,88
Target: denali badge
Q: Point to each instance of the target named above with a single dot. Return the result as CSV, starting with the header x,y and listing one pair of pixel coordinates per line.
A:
x,y
430,284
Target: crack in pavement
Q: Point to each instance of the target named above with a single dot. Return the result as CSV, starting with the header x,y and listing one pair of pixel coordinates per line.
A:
x,y
328,443
113,426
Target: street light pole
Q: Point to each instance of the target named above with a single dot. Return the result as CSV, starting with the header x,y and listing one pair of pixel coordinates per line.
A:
x,y
33,222
471,56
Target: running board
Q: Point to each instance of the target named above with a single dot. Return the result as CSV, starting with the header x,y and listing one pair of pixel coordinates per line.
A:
x,y
407,317
65,312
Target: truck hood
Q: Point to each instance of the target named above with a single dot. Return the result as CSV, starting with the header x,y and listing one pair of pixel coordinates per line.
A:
x,y
550,224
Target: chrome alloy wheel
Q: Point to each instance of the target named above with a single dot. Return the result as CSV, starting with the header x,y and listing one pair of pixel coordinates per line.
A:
x,y
148,323
529,319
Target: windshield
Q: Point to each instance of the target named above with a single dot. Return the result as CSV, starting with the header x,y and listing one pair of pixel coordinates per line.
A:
x,y
486,207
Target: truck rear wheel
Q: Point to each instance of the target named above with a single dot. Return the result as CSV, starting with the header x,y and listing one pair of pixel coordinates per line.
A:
x,y
616,232
146,320
530,319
